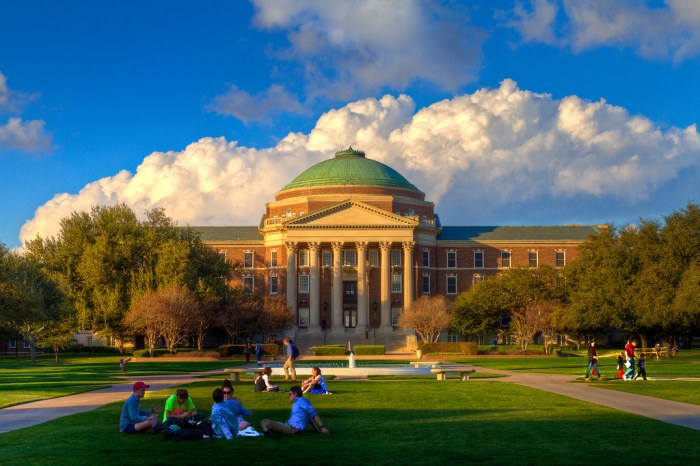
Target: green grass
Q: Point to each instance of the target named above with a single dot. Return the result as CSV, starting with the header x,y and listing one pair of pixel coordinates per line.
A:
x,y
675,390
378,423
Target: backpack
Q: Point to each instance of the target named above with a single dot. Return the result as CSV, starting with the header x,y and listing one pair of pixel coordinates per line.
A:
x,y
183,434
295,351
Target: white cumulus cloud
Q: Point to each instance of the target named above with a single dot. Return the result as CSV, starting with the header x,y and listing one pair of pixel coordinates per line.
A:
x,y
496,156
666,30
29,136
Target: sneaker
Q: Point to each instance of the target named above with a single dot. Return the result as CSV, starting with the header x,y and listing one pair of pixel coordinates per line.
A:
x,y
601,378
624,377
587,379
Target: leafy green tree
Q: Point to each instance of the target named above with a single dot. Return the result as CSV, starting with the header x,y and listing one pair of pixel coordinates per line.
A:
x,y
59,336
30,300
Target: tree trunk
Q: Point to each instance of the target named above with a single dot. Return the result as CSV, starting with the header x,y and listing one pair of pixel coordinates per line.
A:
x,y
55,351
643,340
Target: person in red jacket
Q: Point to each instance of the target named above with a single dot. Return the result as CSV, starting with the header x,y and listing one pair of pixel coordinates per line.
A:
x,y
629,351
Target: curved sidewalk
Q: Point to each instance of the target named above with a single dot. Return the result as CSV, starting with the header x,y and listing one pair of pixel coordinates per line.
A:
x,y
38,412
672,412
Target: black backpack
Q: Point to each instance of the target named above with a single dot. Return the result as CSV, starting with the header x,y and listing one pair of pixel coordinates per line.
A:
x,y
295,351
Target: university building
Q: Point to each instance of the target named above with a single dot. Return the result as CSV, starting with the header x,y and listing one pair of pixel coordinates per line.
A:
x,y
351,243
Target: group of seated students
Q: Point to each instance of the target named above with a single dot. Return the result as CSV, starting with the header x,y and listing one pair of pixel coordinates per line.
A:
x,y
316,384
227,414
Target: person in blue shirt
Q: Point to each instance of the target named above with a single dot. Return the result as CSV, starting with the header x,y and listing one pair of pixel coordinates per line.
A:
x,y
258,352
316,384
225,414
302,414
289,363
133,419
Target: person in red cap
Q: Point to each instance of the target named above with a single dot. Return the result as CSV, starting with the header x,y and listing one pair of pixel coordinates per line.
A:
x,y
134,419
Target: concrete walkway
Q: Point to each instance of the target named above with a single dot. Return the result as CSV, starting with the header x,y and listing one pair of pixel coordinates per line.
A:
x,y
673,412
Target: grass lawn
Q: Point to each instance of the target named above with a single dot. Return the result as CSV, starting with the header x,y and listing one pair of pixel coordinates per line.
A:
x,y
21,382
376,423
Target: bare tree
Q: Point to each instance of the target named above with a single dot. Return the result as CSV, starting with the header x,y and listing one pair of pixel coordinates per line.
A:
x,y
204,317
428,316
177,305
146,317
275,315
532,319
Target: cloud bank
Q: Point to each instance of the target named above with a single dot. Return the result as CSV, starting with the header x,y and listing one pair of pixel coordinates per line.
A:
x,y
666,30
497,156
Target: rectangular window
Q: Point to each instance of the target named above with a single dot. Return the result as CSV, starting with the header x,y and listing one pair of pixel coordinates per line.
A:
x,y
304,317
451,259
248,285
452,337
274,287
303,283
505,259
13,344
560,259
396,282
477,278
395,314
426,257
223,253
373,258
350,258
303,258
396,257
248,260
273,258
451,284
532,259
426,283
326,258
26,344
478,259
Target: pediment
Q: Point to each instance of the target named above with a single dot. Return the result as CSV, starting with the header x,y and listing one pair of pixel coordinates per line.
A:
x,y
350,214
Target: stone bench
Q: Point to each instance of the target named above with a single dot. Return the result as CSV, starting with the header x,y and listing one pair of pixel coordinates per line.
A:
x,y
463,372
425,363
237,371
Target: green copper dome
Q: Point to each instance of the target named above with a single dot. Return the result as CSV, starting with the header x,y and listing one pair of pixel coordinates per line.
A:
x,y
350,167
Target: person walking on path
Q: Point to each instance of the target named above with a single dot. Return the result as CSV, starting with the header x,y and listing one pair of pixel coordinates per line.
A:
x,y
640,368
302,414
291,352
629,351
593,362
258,352
133,419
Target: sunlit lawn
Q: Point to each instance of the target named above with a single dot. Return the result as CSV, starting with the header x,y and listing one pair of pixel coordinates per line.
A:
x,y
375,423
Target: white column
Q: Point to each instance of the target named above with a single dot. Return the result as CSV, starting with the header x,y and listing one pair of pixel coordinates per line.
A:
x,y
337,287
291,275
385,284
314,287
362,300
408,282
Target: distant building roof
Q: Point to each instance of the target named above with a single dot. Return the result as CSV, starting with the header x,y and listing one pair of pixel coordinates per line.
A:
x,y
229,233
524,233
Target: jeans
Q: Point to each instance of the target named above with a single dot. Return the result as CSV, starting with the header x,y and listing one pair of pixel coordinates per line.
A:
x,y
593,365
630,371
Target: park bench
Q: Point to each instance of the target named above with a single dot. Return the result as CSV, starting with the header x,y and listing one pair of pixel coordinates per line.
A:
x,y
237,371
463,371
425,363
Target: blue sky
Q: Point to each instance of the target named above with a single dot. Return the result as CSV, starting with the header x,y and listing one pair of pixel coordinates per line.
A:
x,y
503,112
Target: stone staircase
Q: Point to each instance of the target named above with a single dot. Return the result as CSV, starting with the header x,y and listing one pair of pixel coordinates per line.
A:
x,y
397,341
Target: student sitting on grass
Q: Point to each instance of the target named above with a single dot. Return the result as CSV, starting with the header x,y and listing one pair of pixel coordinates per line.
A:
x,y
179,408
236,404
316,384
262,382
302,414
225,415
134,419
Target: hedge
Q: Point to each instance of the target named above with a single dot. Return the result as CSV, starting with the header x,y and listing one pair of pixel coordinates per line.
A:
x,y
369,349
446,348
144,353
80,348
330,350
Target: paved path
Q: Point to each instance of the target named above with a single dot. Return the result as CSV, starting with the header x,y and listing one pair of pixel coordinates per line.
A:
x,y
38,412
682,414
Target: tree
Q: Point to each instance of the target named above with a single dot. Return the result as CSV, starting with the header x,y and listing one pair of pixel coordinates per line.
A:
x,y
203,317
106,258
145,317
476,311
177,304
530,320
30,299
428,316
59,336
274,316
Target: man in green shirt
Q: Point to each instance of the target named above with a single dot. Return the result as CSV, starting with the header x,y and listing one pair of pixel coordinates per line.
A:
x,y
179,408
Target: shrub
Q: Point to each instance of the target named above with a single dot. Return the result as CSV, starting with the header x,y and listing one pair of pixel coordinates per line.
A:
x,y
80,348
330,350
369,349
446,348
193,354
269,348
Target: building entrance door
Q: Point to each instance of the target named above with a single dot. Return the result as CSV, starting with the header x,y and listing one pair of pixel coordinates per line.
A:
x,y
349,304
